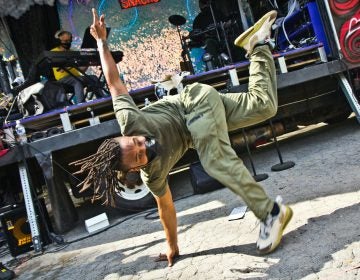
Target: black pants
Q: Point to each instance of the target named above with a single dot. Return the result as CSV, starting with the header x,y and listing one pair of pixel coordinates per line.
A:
x,y
78,83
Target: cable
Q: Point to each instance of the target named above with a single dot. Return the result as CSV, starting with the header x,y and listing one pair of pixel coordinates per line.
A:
x,y
109,227
11,107
149,212
274,5
291,9
59,248
4,251
15,262
67,243
147,216
52,236
59,240
54,161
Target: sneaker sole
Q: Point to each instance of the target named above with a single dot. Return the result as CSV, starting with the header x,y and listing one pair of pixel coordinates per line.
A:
x,y
243,39
288,216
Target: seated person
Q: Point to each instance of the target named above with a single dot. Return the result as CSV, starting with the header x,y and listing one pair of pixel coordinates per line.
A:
x,y
76,79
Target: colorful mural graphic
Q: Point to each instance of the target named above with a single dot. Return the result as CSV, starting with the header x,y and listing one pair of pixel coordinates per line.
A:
x,y
350,38
151,45
346,15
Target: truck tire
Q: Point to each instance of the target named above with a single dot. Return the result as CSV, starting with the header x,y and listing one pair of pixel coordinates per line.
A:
x,y
133,199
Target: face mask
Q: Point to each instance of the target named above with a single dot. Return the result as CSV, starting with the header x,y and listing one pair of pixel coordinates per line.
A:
x,y
66,45
152,148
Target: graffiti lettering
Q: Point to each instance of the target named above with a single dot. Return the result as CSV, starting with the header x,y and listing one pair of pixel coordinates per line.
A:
x,y
349,38
343,7
353,26
126,4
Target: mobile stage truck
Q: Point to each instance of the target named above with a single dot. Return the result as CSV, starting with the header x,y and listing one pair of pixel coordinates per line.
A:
x,y
318,81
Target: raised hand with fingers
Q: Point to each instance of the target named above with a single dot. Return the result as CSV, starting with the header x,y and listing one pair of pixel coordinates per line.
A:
x,y
98,28
111,73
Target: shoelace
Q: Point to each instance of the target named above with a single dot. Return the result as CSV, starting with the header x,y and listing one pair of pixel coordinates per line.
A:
x,y
267,224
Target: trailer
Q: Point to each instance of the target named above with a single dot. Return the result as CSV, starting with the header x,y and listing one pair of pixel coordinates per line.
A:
x,y
318,81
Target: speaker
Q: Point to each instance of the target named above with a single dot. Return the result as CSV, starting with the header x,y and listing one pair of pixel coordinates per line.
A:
x,y
201,181
17,231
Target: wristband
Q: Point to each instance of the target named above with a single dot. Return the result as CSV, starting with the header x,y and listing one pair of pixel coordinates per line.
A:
x,y
101,44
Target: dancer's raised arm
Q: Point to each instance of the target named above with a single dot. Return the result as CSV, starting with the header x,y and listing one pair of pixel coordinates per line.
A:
x,y
98,31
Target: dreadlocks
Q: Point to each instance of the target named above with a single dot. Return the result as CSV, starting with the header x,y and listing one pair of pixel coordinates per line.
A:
x,y
102,176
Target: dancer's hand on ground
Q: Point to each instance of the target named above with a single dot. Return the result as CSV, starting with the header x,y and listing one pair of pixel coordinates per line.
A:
x,y
170,256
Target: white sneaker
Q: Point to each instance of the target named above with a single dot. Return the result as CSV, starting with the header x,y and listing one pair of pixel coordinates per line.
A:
x,y
272,228
256,34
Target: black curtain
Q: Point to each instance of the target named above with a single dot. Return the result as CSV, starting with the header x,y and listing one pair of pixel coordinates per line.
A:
x,y
33,33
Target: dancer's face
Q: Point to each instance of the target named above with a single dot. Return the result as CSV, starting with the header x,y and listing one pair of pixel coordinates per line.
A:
x,y
133,151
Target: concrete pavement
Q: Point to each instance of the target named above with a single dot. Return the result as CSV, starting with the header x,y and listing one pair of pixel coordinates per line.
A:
x,y
321,242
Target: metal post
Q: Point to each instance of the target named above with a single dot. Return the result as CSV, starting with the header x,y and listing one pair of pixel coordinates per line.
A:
x,y
350,96
226,41
257,177
30,211
282,165
185,52
215,22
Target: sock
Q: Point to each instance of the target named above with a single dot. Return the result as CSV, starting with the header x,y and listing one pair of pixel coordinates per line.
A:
x,y
276,209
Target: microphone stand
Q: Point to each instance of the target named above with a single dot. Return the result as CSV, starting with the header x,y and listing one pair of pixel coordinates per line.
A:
x,y
185,52
226,41
214,20
222,29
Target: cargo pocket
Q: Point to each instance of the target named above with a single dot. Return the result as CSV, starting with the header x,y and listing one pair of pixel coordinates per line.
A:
x,y
203,131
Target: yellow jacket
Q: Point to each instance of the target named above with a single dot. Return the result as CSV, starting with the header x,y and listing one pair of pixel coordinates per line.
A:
x,y
60,73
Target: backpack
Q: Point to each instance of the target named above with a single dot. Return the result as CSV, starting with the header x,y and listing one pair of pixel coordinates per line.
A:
x,y
28,100
53,96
